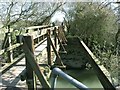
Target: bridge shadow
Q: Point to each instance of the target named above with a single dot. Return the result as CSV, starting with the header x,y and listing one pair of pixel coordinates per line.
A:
x,y
13,88
8,85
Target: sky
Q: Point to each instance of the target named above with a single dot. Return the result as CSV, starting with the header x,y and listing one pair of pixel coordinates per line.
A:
x,y
60,0
58,16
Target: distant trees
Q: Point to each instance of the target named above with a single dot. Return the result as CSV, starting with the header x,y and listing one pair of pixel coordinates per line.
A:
x,y
17,14
118,43
92,21
96,24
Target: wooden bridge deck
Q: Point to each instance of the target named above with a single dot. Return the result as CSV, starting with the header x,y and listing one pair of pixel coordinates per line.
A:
x,y
44,57
11,78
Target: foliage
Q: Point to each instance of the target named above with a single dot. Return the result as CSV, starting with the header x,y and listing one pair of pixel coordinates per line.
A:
x,y
18,15
22,14
96,25
90,22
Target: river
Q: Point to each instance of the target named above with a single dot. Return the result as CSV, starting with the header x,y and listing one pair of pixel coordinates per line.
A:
x,y
76,58
87,77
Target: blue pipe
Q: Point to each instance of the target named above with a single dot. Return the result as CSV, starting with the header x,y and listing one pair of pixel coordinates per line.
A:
x,y
59,72
53,81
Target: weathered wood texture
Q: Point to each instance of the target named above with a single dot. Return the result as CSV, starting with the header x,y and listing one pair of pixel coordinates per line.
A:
x,y
32,67
30,80
49,47
93,61
33,64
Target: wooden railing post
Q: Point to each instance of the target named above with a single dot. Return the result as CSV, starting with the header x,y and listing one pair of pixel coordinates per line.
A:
x,y
9,44
49,48
30,78
55,37
32,65
62,35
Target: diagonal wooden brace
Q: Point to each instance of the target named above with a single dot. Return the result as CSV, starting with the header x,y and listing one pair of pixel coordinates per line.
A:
x,y
58,60
35,67
61,43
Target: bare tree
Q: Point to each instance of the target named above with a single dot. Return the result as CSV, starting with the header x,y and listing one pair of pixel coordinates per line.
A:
x,y
21,14
35,12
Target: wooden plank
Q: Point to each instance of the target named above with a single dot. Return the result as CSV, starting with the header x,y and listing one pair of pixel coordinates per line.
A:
x,y
37,34
11,78
7,43
42,41
40,48
62,35
43,32
58,60
40,27
35,37
61,43
92,59
55,37
35,67
10,48
49,48
30,78
9,65
5,40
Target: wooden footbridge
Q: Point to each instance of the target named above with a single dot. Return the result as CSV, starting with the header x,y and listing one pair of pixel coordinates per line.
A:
x,y
36,56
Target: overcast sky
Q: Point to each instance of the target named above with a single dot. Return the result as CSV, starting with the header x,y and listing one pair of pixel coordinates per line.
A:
x,y
60,0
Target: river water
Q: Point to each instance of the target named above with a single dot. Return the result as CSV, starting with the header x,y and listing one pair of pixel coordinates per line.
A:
x,y
87,77
76,58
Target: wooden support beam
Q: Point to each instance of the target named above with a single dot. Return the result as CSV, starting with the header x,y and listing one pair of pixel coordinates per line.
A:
x,y
38,27
55,37
62,35
30,78
31,60
61,43
40,42
58,61
49,48
23,75
9,44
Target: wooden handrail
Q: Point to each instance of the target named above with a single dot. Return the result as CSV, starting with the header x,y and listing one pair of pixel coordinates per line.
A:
x,y
10,48
32,65
30,41
40,27
93,61
7,66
